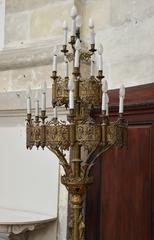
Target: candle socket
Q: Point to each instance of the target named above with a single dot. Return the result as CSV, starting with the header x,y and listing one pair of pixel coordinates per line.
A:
x,y
64,50
43,116
66,78
121,119
71,116
37,120
54,120
92,49
29,118
92,78
100,75
76,71
54,75
78,33
72,42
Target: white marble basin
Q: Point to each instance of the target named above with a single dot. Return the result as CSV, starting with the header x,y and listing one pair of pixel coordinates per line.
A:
x,y
17,224
11,216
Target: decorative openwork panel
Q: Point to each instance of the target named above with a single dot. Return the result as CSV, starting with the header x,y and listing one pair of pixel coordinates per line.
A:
x,y
117,134
58,135
34,136
90,91
60,91
85,56
88,135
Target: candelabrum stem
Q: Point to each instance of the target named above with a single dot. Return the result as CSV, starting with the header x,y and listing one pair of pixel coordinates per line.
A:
x,y
76,162
77,224
76,233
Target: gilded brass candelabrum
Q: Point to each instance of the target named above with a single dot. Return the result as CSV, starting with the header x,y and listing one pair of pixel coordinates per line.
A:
x,y
80,132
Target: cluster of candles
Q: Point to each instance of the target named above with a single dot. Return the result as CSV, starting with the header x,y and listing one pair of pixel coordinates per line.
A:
x,y
76,24
105,99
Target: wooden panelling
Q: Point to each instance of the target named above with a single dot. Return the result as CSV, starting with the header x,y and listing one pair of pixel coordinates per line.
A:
x,y
120,203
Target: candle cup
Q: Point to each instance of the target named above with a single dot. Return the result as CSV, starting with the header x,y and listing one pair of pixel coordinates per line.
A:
x,y
37,120
43,116
29,118
71,115
120,115
78,33
64,50
54,75
100,75
92,49
72,41
76,71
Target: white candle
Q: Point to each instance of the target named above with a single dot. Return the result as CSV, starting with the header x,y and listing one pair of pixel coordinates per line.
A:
x,y
71,99
92,69
29,100
44,87
78,22
66,70
55,113
37,108
121,98
73,15
77,53
92,32
77,57
104,86
107,105
55,63
104,102
100,62
121,105
28,105
43,108
71,93
92,37
65,28
100,59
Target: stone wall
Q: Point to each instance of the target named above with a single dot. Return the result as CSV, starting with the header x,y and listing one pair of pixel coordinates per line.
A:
x,y
126,30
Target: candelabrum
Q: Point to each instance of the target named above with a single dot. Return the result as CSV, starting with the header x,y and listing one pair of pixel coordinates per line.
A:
x,y
80,132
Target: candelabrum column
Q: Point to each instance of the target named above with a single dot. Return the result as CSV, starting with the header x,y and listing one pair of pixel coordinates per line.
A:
x,y
76,232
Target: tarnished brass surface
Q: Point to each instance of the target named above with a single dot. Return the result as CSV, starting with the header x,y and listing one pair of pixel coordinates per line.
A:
x,y
90,91
88,134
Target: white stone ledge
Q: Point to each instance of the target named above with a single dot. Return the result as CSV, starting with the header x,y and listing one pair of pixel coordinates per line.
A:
x,y
34,54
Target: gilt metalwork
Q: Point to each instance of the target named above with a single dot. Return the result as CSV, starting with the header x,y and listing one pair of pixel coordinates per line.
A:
x,y
79,131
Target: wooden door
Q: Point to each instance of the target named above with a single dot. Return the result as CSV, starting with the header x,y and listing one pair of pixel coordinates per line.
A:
x,y
119,204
